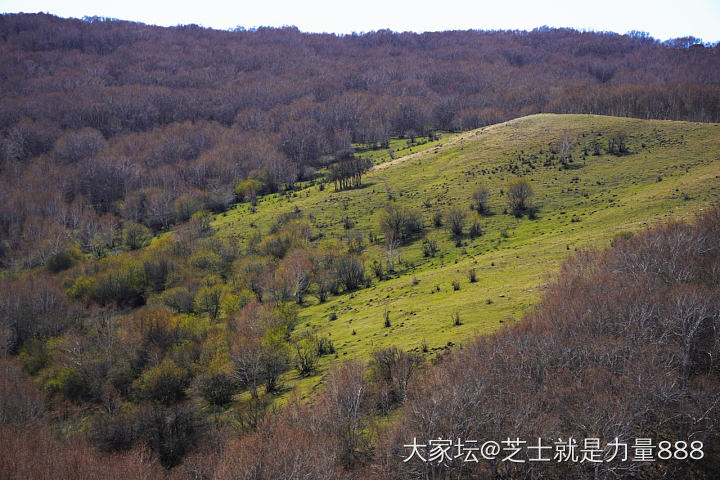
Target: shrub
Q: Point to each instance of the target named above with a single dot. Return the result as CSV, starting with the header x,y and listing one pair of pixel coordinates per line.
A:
x,y
472,275
70,383
377,269
135,235
216,389
349,272
480,197
437,219
475,230
430,247
63,260
274,362
247,190
617,142
206,259
401,222
171,432
165,383
179,299
306,355
208,300
390,371
455,219
519,195
325,346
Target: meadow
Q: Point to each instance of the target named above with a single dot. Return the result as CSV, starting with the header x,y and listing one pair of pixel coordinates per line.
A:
x,y
670,171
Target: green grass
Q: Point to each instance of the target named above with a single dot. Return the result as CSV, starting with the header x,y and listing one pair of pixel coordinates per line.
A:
x,y
400,147
672,171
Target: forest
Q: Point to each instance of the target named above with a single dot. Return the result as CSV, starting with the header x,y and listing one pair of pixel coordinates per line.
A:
x,y
105,122
223,254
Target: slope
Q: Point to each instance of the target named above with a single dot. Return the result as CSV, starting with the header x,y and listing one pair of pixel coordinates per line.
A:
x,y
670,169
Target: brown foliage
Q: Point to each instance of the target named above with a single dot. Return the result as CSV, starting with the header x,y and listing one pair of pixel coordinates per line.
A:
x,y
125,117
624,344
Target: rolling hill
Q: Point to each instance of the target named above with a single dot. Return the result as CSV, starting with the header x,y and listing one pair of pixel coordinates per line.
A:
x,y
671,171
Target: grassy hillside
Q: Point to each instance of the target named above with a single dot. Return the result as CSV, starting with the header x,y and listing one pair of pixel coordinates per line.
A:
x,y
671,169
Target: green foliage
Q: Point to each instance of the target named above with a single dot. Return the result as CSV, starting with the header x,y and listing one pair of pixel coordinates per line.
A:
x,y
325,346
617,142
430,247
232,303
135,235
247,190
472,275
306,355
165,383
200,223
122,282
207,260
34,356
70,383
179,299
208,300
64,260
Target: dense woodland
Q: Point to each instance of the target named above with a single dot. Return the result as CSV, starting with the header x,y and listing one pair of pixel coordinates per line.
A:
x,y
134,342
104,122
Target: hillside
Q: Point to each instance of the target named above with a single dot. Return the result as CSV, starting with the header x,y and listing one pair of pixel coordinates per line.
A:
x,y
671,171
183,342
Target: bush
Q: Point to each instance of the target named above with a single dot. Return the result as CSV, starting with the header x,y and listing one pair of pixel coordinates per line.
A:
x,y
208,300
71,384
401,222
205,259
430,247
117,433
63,260
349,272
179,299
480,197
135,235
123,283
377,269
390,371
437,219
617,142
165,383
472,275
475,230
455,219
306,355
519,195
325,346
247,190
217,389
171,432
